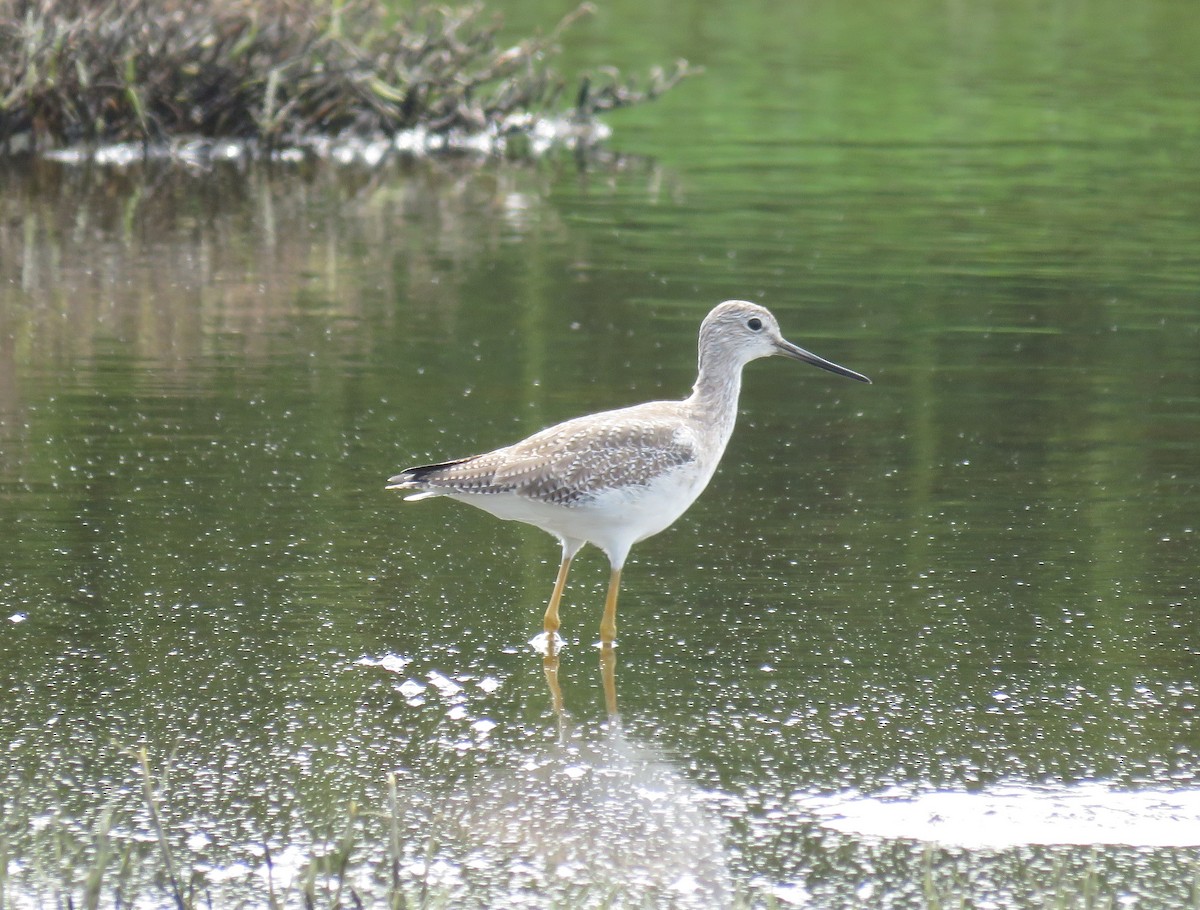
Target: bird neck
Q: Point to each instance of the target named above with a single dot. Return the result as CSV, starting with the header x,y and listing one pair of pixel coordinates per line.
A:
x,y
714,398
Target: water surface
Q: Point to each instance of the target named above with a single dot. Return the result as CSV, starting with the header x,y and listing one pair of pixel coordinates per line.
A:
x,y
974,578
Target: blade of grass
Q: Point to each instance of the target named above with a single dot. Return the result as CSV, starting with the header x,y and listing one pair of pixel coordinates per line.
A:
x,y
160,831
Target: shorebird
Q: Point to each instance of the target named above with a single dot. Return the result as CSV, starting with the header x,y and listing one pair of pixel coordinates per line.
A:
x,y
617,477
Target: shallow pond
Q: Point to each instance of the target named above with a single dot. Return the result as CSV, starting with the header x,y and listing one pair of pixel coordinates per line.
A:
x,y
929,642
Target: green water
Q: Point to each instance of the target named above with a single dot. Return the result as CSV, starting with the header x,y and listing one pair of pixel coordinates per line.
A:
x,y
978,573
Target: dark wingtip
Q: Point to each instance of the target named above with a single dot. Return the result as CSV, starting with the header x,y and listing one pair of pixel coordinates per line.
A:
x,y
410,476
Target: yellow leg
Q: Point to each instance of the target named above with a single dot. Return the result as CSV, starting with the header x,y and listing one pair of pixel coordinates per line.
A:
x,y
551,624
608,675
608,625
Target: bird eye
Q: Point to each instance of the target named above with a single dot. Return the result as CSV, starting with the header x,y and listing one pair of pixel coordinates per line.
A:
x,y
754,324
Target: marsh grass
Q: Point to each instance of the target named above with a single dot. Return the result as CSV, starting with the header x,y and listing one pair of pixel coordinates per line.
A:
x,y
150,792
279,73
134,852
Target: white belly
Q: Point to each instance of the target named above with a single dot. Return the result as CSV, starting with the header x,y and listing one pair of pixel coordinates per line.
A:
x,y
613,520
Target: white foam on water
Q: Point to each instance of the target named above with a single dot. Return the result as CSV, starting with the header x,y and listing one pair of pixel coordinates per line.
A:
x,y
1014,814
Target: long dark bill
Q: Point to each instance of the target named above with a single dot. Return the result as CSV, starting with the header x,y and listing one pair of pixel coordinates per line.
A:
x,y
787,349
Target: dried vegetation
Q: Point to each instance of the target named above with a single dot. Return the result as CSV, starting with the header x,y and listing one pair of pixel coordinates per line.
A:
x,y
280,72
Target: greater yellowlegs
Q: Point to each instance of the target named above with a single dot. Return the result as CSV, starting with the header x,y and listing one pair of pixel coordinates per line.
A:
x,y
615,478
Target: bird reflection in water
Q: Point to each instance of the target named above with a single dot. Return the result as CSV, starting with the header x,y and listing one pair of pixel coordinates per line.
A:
x,y
608,678
593,818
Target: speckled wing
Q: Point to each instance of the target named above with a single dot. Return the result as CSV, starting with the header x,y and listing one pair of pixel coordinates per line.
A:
x,y
568,463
